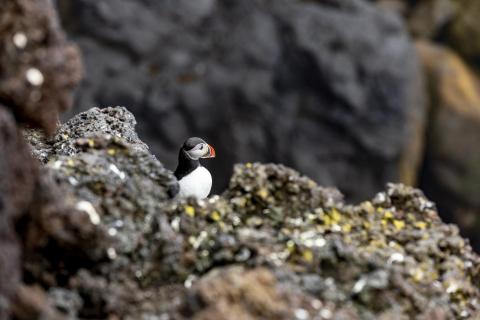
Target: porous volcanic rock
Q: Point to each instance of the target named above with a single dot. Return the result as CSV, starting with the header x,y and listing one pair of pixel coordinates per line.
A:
x,y
274,245
325,87
38,67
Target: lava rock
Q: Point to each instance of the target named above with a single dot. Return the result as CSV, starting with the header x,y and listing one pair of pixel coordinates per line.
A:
x,y
39,68
326,88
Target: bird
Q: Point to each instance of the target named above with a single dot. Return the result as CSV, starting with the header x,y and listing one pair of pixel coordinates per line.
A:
x,y
194,180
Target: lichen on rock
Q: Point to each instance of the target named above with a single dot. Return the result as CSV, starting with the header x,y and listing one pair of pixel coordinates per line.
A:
x,y
273,245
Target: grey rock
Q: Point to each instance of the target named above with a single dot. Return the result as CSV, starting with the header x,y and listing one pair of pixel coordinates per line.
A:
x,y
322,86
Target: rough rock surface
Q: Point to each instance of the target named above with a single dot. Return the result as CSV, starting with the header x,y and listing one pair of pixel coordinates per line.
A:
x,y
274,245
451,171
38,68
17,176
322,86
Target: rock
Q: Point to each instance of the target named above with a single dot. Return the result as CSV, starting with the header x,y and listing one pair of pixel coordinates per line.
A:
x,y
274,245
17,178
254,80
334,252
451,172
236,293
464,31
426,19
31,303
39,68
99,198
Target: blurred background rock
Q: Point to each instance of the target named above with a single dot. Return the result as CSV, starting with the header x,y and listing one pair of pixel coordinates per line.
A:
x,y
352,93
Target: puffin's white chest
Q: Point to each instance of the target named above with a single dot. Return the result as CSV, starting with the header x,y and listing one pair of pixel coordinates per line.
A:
x,y
197,183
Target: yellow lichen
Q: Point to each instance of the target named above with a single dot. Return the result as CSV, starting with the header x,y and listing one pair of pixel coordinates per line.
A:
x,y
262,193
248,165
399,224
346,228
111,152
91,143
307,255
422,225
335,215
388,215
70,163
215,216
190,211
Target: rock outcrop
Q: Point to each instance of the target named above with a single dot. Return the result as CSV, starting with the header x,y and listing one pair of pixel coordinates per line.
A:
x,y
38,69
274,245
451,170
17,174
325,87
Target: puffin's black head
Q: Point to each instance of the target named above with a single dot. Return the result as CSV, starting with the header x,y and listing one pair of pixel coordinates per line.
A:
x,y
197,148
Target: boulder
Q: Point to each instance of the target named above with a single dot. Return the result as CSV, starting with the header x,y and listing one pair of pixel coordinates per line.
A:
x,y
17,179
324,87
426,19
451,172
274,245
38,67
464,31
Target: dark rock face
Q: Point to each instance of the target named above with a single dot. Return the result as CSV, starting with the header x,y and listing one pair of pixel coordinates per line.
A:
x,y
322,86
38,68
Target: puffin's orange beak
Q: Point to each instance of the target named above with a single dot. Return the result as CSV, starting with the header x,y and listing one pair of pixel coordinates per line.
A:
x,y
211,152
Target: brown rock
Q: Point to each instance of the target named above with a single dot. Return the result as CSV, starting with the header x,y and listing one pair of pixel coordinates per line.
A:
x,y
452,169
236,293
17,175
426,18
38,68
31,303
464,31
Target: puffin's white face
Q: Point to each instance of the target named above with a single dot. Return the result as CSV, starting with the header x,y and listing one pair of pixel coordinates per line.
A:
x,y
201,150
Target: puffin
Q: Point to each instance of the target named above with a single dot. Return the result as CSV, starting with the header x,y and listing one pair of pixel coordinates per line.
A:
x,y
194,180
